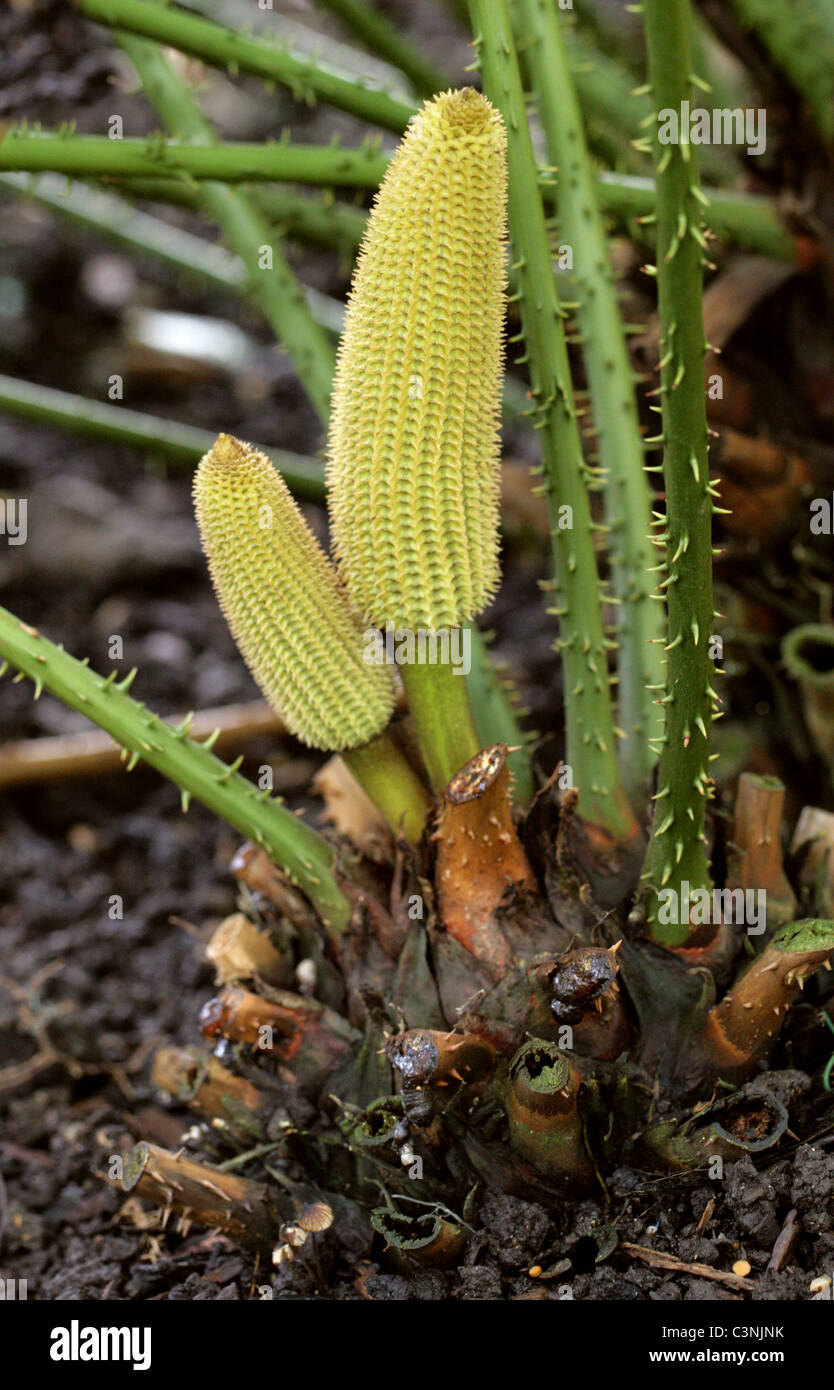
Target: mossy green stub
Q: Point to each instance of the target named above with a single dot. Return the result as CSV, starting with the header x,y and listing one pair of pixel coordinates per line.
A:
x,y
810,934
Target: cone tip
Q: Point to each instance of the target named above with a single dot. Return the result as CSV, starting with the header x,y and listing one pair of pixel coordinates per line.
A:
x,y
227,452
463,111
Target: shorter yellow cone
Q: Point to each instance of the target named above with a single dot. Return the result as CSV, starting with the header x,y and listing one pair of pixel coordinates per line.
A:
x,y
283,602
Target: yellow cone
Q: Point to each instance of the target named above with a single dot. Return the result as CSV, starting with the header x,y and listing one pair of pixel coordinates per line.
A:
x,y
283,603
414,456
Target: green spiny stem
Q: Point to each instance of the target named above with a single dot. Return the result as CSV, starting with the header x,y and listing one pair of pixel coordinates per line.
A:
x,y
300,853
747,220
181,444
613,402
614,107
228,48
382,38
718,162
677,852
608,93
115,218
96,156
385,773
442,719
591,747
800,39
495,717
273,283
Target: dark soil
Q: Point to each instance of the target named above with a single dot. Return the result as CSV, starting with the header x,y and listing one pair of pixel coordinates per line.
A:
x,y
87,994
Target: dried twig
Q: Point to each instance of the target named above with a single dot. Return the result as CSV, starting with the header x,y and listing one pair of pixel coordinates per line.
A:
x,y
92,754
658,1259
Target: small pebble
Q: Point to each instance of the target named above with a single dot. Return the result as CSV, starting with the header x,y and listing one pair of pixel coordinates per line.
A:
x,y
82,838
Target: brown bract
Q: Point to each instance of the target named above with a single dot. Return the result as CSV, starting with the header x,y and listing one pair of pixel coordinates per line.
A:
x,y
480,857
205,1085
239,951
299,1033
238,1206
742,1028
541,1102
756,860
427,1055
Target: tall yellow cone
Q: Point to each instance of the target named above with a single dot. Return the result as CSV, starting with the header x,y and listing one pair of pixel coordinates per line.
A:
x,y
414,456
